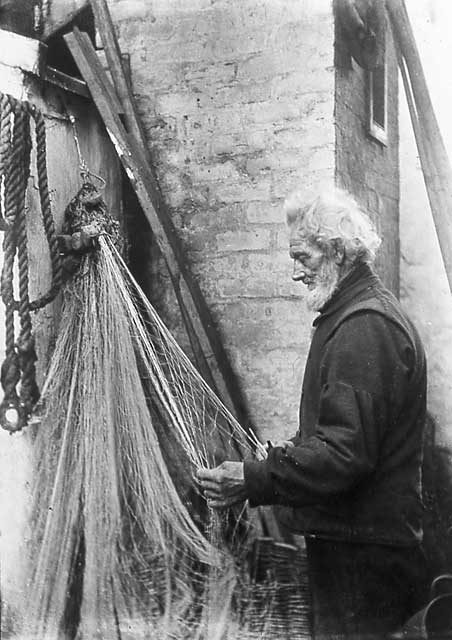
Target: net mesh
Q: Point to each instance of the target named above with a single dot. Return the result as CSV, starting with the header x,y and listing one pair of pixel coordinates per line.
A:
x,y
117,548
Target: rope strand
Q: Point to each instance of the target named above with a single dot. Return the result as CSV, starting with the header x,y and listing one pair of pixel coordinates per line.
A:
x,y
10,416
19,366
46,211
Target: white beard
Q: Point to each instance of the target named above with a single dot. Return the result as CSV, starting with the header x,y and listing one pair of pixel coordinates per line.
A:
x,y
326,282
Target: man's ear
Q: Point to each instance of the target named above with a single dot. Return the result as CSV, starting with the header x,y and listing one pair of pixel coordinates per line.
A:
x,y
338,251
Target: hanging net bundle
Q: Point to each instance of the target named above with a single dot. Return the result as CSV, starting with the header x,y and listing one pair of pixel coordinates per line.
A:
x,y
116,550
121,545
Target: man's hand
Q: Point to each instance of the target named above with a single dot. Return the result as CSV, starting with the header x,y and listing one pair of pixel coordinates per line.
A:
x,y
224,485
284,444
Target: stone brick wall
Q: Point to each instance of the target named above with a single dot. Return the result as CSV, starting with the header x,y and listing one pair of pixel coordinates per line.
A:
x,y
364,166
237,99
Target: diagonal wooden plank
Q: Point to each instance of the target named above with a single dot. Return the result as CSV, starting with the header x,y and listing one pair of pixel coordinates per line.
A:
x,y
68,83
144,184
435,162
103,78
210,356
106,30
121,78
132,123
57,15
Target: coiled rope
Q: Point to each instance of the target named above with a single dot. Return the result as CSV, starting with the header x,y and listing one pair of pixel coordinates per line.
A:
x,y
18,368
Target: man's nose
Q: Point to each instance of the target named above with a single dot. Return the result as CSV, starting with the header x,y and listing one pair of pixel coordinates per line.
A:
x,y
298,271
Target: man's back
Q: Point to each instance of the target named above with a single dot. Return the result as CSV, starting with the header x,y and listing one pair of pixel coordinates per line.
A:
x,y
362,413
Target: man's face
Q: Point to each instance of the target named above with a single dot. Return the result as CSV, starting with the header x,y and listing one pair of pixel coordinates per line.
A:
x,y
307,261
314,269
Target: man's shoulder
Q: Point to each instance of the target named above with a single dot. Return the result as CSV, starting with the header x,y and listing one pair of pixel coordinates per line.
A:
x,y
378,302
381,312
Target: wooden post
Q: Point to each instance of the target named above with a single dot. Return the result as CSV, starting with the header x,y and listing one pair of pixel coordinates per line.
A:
x,y
143,182
59,14
201,325
115,62
209,352
435,162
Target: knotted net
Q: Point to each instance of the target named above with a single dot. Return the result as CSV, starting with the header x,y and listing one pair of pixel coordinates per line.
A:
x,y
116,549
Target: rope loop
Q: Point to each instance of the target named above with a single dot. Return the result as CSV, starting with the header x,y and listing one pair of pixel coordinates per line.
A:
x,y
18,371
11,413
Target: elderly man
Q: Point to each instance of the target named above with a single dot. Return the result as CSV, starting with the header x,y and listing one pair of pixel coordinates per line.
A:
x,y
350,479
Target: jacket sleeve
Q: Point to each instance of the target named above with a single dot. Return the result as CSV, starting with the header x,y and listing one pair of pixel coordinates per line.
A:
x,y
363,369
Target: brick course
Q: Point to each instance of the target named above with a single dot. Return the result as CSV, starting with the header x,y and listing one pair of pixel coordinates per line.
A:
x,y
238,103
364,166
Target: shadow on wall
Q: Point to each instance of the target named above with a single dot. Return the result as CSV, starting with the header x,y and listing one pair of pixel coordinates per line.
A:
x,y
437,495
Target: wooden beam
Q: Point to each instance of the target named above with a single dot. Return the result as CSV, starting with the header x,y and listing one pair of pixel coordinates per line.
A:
x,y
19,16
29,56
122,81
136,166
432,151
425,156
61,13
22,52
14,82
100,73
117,67
215,371
210,356
63,81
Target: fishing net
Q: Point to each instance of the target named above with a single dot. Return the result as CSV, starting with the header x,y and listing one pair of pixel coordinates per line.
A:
x,y
119,549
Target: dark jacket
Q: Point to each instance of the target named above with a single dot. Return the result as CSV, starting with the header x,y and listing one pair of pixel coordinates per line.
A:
x,y
355,471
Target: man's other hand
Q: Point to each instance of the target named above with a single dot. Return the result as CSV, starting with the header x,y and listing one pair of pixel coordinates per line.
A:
x,y
284,444
224,485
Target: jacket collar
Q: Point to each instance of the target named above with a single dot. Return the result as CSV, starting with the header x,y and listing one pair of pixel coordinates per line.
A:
x,y
358,280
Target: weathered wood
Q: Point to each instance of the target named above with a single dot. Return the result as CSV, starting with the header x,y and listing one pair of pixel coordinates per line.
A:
x,y
13,81
22,52
99,71
137,169
61,13
432,151
64,182
196,335
19,16
63,81
117,69
425,157
28,18
208,350
28,55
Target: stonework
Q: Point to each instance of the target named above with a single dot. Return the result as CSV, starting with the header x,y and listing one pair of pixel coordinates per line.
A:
x,y
242,104
366,167
237,99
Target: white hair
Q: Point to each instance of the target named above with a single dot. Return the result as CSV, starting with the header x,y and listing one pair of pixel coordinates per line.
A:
x,y
330,217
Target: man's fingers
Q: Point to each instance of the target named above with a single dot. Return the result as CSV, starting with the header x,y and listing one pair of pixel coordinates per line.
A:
x,y
218,503
285,444
215,504
207,474
206,485
212,494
